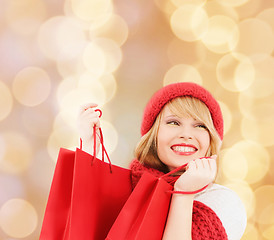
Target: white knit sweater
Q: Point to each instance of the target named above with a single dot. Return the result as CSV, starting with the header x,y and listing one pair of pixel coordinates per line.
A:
x,y
228,207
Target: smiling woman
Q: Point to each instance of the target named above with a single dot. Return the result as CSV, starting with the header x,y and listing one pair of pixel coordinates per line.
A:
x,y
176,109
183,125
182,128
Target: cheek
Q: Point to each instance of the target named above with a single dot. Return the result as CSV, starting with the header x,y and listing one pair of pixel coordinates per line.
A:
x,y
162,141
161,136
205,140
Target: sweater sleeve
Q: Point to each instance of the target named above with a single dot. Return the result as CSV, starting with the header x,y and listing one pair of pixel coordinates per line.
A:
x,y
228,207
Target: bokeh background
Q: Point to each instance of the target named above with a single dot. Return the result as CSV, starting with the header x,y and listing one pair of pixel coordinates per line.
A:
x,y
57,55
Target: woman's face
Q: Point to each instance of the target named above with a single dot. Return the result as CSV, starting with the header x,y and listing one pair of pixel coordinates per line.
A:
x,y
181,140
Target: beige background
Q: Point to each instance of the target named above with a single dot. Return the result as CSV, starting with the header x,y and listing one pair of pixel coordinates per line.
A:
x,y
56,55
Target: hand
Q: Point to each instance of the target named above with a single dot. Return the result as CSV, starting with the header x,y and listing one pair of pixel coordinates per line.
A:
x,y
86,120
199,173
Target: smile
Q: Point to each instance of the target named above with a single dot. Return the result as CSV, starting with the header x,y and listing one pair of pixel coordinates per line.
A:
x,y
184,149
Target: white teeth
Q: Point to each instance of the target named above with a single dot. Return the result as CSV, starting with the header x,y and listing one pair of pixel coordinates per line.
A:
x,y
183,149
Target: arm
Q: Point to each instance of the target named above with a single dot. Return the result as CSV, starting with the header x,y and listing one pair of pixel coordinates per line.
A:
x,y
179,222
199,173
87,118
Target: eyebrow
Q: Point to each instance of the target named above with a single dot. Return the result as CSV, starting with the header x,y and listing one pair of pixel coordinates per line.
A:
x,y
175,116
171,116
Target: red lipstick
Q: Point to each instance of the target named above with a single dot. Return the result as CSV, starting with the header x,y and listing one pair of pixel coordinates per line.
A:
x,y
184,149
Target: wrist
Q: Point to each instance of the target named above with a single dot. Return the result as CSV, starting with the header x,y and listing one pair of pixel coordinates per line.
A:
x,y
189,192
180,192
180,188
186,197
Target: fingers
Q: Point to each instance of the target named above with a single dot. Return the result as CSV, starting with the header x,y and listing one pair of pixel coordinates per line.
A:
x,y
91,112
86,106
88,112
212,163
206,167
191,166
88,118
213,167
210,166
199,173
91,118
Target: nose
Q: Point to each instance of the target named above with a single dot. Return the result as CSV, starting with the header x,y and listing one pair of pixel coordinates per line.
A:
x,y
186,133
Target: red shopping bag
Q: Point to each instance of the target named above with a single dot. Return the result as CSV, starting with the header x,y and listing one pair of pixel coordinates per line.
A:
x,y
59,200
144,215
86,196
97,197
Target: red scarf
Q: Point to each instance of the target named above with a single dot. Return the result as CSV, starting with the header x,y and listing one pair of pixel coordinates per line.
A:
x,y
205,223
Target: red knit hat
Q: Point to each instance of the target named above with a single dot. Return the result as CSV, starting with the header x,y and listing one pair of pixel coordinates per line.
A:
x,y
169,92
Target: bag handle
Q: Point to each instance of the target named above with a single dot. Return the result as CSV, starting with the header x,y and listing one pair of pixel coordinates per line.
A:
x,y
183,192
100,135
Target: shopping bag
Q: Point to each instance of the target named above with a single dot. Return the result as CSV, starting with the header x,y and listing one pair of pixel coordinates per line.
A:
x,y
97,197
85,197
59,200
144,215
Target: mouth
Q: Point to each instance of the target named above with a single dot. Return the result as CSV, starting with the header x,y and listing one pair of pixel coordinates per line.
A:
x,y
184,149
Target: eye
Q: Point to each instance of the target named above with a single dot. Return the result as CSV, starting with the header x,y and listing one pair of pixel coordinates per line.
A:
x,y
201,125
173,122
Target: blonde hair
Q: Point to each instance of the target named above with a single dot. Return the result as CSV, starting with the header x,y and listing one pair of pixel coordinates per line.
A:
x,y
187,106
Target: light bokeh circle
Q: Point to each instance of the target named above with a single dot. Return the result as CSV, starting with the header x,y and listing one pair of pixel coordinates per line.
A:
x,y
258,130
189,22
115,29
255,108
233,164
267,15
256,37
245,160
257,158
18,218
16,152
182,73
235,72
71,101
61,37
262,87
62,136
222,34
94,59
112,53
91,10
31,86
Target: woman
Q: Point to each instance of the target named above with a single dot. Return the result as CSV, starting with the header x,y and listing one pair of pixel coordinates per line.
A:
x,y
183,125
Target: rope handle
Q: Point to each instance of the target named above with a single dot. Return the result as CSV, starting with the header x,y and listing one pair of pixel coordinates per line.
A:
x,y
100,136
190,192
183,192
